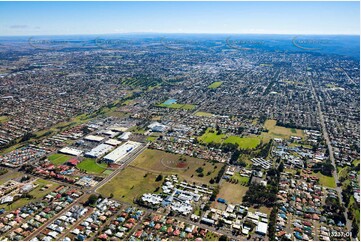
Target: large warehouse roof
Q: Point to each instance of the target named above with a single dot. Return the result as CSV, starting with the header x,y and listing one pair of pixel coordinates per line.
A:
x,y
120,152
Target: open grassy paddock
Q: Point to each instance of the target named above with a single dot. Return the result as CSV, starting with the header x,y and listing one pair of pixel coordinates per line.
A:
x,y
91,166
326,181
58,159
232,193
275,131
250,142
178,106
203,114
211,135
215,85
129,184
161,162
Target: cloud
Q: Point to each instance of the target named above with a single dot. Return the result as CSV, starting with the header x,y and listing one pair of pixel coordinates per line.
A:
x,y
19,26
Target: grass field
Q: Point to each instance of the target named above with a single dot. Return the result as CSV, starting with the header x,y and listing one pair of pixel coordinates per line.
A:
x,y
37,193
215,85
211,136
129,184
203,114
3,119
275,131
241,179
326,181
211,236
178,106
58,159
243,142
166,163
232,193
91,166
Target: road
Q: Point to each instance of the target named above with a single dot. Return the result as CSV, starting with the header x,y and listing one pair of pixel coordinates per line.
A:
x,y
330,151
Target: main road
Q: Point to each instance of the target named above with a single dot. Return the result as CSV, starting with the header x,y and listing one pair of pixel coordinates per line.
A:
x,y
330,151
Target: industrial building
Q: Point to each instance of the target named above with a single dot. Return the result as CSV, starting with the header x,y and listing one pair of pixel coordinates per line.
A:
x,y
94,138
71,151
99,151
122,151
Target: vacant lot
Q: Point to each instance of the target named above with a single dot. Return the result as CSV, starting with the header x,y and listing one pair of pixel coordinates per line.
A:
x,y
178,106
326,181
203,114
275,131
214,85
3,119
91,166
161,162
59,159
129,184
232,193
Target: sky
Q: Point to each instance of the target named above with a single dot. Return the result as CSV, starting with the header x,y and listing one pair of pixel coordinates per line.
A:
x,y
73,18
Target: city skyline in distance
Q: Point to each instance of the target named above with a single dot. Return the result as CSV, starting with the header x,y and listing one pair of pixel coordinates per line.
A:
x,y
87,18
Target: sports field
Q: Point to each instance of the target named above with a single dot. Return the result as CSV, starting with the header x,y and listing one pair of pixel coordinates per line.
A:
x,y
59,159
215,85
91,166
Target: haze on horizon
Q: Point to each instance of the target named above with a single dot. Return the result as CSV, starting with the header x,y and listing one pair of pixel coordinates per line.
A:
x,y
83,18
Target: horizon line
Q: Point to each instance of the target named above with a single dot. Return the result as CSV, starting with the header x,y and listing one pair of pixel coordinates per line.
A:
x,y
185,33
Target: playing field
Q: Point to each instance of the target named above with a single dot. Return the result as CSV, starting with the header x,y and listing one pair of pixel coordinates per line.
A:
x,y
59,159
211,135
91,166
214,85
275,131
129,184
161,162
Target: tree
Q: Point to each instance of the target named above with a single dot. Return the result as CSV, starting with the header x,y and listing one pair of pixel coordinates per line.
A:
x,y
223,238
199,170
159,178
92,200
281,167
